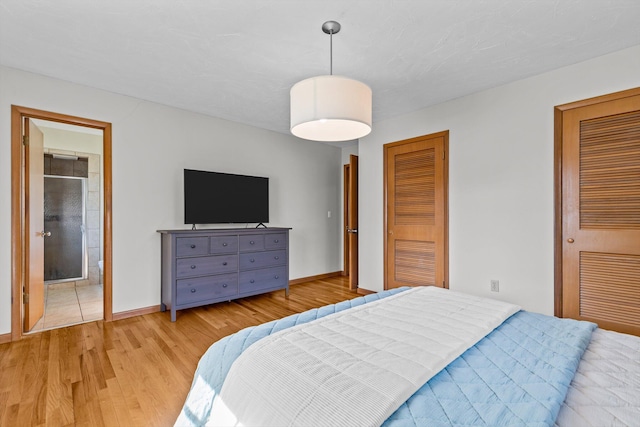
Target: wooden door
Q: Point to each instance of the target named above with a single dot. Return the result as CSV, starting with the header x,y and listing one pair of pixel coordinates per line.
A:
x,y
352,221
34,225
601,212
345,219
416,235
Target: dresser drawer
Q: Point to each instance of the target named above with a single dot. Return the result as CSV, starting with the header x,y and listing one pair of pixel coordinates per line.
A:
x,y
223,244
206,288
262,259
192,246
275,241
251,242
202,266
268,278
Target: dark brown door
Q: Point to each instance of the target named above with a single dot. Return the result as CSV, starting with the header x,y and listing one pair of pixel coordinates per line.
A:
x,y
416,232
601,212
34,229
352,221
345,219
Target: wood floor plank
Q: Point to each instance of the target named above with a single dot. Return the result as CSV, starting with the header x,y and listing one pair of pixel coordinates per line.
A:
x,y
136,371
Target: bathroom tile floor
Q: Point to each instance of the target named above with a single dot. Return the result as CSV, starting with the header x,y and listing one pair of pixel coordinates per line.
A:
x,y
68,304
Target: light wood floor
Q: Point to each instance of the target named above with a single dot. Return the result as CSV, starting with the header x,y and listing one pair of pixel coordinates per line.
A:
x,y
132,372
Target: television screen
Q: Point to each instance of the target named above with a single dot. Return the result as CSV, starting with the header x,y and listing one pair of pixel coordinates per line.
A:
x,y
216,198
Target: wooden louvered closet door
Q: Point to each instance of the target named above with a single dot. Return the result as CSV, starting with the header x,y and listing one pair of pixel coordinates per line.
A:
x,y
601,213
416,212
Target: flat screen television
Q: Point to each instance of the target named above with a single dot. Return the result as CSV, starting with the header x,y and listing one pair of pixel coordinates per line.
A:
x,y
219,198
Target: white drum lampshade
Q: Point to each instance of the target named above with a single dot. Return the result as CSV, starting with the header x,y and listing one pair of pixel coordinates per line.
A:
x,y
330,108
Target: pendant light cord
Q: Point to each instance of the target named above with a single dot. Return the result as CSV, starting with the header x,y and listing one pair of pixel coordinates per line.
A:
x,y
331,28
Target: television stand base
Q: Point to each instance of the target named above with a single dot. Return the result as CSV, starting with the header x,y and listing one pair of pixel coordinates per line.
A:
x,y
261,224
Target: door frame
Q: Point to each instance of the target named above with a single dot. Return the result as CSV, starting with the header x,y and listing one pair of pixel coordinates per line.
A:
x,y
558,195
18,256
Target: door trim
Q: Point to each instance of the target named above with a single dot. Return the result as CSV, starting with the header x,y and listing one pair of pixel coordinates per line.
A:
x,y
385,222
18,256
558,196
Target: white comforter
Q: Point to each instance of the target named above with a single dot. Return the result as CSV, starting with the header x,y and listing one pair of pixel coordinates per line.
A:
x,y
353,361
606,388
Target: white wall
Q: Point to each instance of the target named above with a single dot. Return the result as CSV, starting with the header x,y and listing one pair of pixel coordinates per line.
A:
x,y
500,178
70,139
152,144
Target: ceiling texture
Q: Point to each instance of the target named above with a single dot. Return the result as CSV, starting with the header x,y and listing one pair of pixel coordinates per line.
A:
x,y
237,59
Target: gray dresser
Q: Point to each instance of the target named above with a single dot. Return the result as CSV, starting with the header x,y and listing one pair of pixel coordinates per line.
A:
x,y
202,267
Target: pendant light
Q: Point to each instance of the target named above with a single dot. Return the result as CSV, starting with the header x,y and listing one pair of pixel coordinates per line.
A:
x,y
330,108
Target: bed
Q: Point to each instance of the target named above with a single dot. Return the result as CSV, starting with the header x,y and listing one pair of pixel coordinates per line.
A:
x,y
517,368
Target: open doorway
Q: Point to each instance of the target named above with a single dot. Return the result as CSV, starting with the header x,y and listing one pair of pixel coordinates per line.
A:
x,y
61,220
73,223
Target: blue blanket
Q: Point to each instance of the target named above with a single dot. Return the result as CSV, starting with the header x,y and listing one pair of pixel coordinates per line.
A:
x,y
516,375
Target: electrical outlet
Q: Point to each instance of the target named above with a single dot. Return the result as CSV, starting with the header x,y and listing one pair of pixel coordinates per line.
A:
x,y
495,286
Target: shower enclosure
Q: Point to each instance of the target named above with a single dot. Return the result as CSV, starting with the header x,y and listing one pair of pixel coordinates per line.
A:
x,y
65,254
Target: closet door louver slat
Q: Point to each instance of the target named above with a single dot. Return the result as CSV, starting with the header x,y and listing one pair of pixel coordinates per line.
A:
x,y
415,262
609,287
610,172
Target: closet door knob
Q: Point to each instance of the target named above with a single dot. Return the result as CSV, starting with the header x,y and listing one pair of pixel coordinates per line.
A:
x,y
570,240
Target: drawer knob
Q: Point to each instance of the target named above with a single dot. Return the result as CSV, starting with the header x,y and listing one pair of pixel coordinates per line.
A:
x,y
224,244
252,281
224,285
276,257
252,242
224,263
193,291
193,267
252,260
193,246
276,277
276,241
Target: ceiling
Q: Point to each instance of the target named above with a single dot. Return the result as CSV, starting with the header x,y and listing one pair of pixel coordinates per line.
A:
x,y
237,59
